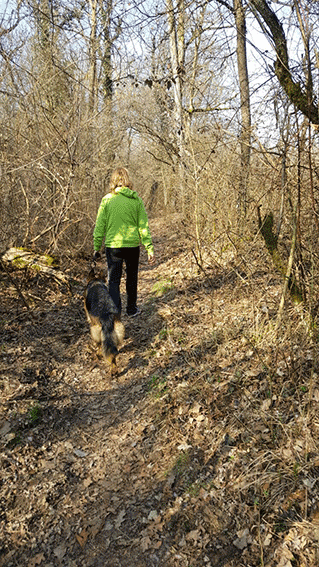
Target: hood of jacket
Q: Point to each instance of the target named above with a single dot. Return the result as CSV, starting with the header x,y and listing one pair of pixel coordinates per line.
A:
x,y
126,192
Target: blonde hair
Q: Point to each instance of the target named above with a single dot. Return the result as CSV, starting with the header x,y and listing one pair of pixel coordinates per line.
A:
x,y
120,178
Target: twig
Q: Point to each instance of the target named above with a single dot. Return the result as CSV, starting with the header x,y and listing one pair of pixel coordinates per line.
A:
x,y
201,268
287,276
14,283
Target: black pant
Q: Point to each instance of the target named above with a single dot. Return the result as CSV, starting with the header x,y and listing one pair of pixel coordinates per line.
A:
x,y
115,258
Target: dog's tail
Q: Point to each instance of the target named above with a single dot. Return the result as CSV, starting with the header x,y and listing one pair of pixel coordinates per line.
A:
x,y
109,347
112,336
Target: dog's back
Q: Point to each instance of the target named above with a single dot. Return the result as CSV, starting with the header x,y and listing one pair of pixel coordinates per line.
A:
x,y
104,319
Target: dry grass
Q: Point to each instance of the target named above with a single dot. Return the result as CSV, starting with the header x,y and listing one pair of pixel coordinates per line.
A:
x,y
206,450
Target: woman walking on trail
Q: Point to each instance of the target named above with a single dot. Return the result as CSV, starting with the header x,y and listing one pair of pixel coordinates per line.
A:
x,y
123,221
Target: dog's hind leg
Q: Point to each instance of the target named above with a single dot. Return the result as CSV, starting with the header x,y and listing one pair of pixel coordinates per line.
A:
x,y
118,333
110,358
96,332
114,369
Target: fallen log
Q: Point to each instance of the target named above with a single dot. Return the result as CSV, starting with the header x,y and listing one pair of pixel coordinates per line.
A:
x,y
22,258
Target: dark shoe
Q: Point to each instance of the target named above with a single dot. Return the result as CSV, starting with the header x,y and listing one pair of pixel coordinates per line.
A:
x,y
135,313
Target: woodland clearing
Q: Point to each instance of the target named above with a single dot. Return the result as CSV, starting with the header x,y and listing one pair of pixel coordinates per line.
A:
x,y
204,452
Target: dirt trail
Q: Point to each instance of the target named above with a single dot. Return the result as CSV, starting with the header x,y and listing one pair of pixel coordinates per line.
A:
x,y
77,488
167,466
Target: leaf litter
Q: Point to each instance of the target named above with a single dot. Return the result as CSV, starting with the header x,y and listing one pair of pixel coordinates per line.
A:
x,y
204,452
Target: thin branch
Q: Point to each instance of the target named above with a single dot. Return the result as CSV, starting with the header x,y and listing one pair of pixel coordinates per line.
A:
x,y
15,284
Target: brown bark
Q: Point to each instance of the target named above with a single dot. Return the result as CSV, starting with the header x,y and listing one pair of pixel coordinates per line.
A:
x,y
296,94
245,134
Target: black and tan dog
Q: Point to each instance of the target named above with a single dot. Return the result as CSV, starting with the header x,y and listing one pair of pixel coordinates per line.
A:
x,y
104,319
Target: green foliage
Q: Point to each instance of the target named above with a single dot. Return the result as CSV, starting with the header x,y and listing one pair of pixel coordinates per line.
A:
x,y
34,413
34,261
50,261
161,287
296,469
157,386
182,463
19,263
163,334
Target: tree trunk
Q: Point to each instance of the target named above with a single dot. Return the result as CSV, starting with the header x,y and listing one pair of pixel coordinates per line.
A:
x,y
176,26
92,58
245,133
296,94
106,56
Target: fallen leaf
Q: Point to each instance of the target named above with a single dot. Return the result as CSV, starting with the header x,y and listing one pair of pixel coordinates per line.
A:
x,y
194,535
184,447
267,540
287,453
5,428
36,560
200,418
145,543
96,526
252,372
9,437
299,445
169,482
196,408
243,539
48,465
266,405
82,537
60,551
79,453
120,518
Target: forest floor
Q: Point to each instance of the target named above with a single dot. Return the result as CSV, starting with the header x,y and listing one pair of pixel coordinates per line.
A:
x,y
204,451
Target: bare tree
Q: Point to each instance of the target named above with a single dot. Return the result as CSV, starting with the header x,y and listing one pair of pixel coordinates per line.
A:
x,y
93,57
245,134
299,94
176,31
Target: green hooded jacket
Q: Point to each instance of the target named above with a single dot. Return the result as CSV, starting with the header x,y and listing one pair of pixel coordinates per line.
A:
x,y
123,221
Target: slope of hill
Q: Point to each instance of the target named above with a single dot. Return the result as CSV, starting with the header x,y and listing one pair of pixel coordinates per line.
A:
x,y
204,452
